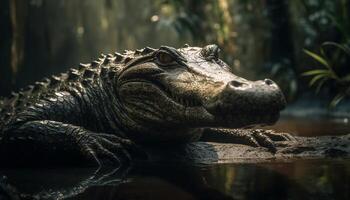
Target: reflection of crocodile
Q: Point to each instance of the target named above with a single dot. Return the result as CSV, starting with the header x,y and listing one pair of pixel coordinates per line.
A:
x,y
169,181
150,96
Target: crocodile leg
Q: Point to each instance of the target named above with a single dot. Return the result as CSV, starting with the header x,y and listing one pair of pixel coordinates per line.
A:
x,y
252,137
52,139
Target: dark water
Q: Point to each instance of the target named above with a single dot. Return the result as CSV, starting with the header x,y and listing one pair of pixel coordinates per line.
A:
x,y
313,126
302,179
311,179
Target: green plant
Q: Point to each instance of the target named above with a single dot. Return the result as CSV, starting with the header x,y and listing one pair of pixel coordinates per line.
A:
x,y
340,19
330,73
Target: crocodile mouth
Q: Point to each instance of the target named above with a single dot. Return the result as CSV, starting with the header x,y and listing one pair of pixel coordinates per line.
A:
x,y
184,101
247,114
226,115
169,94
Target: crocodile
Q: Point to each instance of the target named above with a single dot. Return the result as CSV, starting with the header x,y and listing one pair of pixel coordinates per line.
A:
x,y
106,111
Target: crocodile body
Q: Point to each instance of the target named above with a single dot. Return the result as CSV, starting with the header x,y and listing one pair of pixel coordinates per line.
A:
x,y
107,109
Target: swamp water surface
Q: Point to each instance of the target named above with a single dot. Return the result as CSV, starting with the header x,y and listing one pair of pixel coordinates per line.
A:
x,y
300,179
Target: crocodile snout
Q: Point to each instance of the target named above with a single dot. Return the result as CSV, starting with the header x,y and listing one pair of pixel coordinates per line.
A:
x,y
258,102
261,95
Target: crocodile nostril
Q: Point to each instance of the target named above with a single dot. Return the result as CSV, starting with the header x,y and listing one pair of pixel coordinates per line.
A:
x,y
268,82
235,84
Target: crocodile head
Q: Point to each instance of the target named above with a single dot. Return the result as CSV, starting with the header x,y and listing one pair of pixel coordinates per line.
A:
x,y
172,89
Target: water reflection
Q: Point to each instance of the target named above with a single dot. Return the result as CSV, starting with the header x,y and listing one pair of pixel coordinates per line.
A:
x,y
312,126
312,179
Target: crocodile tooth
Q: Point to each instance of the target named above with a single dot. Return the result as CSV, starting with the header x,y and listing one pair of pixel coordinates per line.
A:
x,y
109,55
186,45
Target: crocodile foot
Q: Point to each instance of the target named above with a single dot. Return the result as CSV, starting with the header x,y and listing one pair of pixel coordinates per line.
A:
x,y
251,137
268,138
99,148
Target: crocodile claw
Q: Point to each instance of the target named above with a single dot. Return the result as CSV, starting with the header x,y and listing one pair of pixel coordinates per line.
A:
x,y
268,138
100,148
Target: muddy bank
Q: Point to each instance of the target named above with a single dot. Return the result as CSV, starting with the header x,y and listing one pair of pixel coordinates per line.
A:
x,y
302,148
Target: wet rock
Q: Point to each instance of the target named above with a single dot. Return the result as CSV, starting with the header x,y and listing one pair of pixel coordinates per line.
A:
x,y
302,148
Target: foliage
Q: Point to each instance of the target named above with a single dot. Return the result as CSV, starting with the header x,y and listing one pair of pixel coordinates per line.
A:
x,y
323,21
334,71
341,19
285,76
332,20
205,21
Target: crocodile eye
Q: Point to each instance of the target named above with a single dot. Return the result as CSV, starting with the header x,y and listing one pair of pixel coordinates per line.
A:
x,y
164,58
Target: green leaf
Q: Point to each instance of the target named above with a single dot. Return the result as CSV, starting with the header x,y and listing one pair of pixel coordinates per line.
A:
x,y
318,77
320,84
345,78
339,97
339,46
318,58
315,72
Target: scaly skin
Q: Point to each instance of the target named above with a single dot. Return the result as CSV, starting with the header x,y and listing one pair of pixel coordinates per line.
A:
x,y
106,110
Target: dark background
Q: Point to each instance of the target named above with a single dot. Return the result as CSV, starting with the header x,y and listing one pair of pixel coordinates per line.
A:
x,y
258,39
